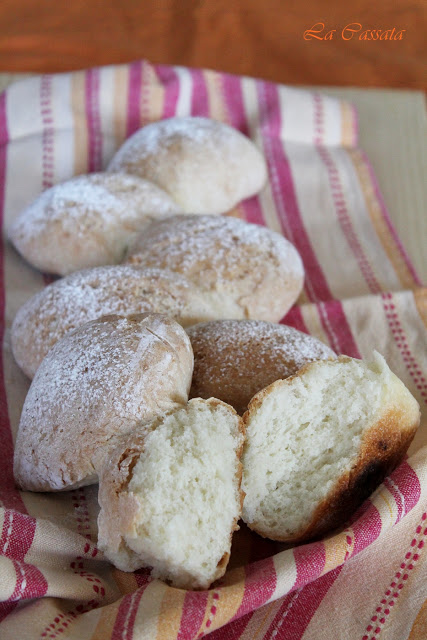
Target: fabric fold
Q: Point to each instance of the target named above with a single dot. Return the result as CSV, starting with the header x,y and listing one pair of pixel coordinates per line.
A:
x,y
361,293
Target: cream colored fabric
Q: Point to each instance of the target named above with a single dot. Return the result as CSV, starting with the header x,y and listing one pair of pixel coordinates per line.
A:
x,y
360,293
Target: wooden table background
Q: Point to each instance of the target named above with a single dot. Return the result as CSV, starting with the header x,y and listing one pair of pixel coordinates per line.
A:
x,y
263,38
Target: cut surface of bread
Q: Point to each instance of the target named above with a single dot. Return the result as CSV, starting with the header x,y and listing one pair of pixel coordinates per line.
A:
x,y
320,442
170,495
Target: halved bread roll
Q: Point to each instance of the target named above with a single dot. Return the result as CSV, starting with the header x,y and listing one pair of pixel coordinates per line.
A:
x,y
205,165
97,383
320,442
170,495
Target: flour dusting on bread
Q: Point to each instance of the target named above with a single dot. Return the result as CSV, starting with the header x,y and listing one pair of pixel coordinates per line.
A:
x,y
95,384
245,270
205,165
87,295
234,359
87,221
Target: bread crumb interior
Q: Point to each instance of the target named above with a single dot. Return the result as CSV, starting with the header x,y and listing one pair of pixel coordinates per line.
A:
x,y
304,436
186,484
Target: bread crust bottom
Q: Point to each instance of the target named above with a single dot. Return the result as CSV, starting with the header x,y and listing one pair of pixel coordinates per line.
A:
x,y
382,449
379,456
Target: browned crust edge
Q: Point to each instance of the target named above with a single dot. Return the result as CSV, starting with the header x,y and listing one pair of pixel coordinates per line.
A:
x,y
381,453
382,449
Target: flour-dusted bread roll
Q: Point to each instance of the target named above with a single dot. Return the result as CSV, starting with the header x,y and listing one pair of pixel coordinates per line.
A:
x,y
95,384
320,442
89,294
234,359
170,495
87,221
244,270
205,165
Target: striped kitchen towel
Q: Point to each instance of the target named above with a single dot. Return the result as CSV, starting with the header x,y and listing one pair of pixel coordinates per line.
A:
x,y
366,582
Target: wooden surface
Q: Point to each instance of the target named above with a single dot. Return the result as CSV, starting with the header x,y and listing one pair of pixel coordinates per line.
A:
x,y
392,131
258,38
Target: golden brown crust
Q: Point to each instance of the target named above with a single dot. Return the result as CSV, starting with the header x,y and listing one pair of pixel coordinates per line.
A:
x,y
380,454
118,507
234,359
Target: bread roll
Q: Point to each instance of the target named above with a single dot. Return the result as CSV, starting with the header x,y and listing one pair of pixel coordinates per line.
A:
x,y
170,495
89,294
234,359
205,166
95,384
87,221
244,270
320,442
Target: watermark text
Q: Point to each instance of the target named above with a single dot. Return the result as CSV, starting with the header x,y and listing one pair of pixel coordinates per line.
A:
x,y
353,30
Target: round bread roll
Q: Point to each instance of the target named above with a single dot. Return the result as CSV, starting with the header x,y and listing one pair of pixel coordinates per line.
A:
x,y
320,442
170,495
205,165
244,270
89,294
234,359
95,384
87,221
